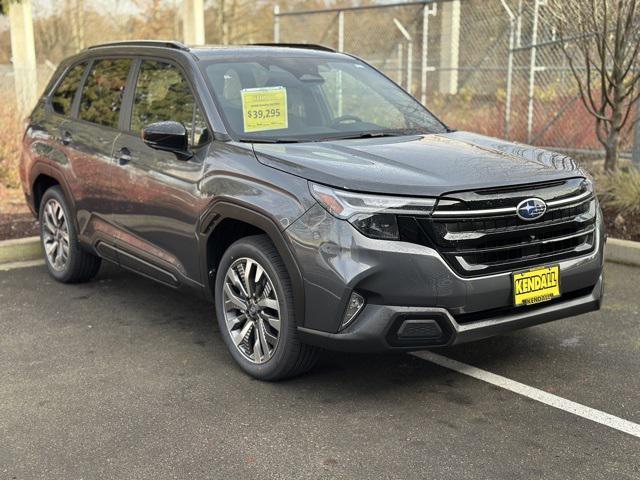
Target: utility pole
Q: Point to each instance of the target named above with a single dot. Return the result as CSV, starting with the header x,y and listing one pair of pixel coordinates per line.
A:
x,y
193,22
23,55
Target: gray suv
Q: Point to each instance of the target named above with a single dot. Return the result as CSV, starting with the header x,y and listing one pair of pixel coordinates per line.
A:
x,y
316,202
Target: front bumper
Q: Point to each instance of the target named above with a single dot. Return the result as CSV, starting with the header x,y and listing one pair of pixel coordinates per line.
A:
x,y
378,325
403,281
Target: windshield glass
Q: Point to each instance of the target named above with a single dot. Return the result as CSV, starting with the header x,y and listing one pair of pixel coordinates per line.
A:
x,y
310,99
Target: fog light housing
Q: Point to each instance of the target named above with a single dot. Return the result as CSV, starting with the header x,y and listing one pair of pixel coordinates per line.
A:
x,y
354,307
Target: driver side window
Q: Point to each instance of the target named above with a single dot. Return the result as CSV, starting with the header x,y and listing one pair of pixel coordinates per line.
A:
x,y
162,93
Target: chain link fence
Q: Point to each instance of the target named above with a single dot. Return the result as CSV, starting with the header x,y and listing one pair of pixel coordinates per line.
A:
x,y
491,66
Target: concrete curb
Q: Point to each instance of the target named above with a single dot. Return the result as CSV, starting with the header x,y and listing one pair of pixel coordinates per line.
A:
x,y
20,250
623,251
26,249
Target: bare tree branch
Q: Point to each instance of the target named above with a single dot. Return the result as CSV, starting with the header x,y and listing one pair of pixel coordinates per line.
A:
x,y
601,41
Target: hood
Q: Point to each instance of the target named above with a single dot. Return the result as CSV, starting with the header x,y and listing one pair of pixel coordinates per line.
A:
x,y
421,165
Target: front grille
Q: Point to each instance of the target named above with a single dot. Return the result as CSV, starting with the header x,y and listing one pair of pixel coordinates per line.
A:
x,y
479,233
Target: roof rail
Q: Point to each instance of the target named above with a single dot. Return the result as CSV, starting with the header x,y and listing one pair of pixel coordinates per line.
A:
x,y
143,43
308,46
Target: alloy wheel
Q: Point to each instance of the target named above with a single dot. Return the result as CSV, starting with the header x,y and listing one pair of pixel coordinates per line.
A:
x,y
251,310
55,235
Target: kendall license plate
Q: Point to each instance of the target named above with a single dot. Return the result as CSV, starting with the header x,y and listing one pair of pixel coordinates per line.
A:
x,y
536,285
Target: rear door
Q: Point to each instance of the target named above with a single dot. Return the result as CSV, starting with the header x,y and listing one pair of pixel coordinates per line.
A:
x,y
158,201
47,132
91,136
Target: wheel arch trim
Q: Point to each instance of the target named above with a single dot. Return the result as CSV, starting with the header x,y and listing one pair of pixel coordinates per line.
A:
x,y
229,209
40,168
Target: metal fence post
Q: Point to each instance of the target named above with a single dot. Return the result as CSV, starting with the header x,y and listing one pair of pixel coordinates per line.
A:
x,y
340,49
519,24
400,63
532,70
409,40
341,31
427,11
276,24
512,33
423,61
410,67
450,14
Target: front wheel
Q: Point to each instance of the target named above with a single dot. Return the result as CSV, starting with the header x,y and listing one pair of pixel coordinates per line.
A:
x,y
255,311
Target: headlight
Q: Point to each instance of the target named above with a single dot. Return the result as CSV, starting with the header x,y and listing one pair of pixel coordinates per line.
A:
x,y
587,185
373,215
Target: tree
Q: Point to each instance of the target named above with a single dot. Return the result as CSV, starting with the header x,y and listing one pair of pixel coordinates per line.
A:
x,y
601,40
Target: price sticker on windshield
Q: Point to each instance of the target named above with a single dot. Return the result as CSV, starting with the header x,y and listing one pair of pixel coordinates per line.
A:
x,y
264,109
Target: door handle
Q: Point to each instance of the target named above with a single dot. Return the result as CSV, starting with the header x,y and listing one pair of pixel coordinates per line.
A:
x,y
124,156
66,138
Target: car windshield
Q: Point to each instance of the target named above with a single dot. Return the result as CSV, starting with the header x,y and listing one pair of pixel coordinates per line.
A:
x,y
301,98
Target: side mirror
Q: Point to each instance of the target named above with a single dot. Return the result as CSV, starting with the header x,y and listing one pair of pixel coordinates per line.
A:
x,y
169,136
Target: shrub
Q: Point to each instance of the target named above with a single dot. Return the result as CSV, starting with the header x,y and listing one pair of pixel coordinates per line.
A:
x,y
621,190
10,142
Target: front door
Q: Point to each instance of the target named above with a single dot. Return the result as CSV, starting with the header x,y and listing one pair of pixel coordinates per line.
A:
x,y
157,198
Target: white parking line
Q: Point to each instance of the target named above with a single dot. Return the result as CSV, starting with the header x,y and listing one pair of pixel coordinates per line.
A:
x,y
589,413
26,264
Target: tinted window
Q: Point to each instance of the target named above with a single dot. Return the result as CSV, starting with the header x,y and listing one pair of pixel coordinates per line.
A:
x,y
162,93
62,98
103,91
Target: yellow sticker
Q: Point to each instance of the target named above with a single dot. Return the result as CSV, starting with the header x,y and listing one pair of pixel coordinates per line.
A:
x,y
264,108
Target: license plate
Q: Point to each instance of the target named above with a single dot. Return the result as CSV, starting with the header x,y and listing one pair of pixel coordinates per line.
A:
x,y
536,285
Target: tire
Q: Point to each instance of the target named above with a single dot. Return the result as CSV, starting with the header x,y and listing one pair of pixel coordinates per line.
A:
x,y
288,357
66,261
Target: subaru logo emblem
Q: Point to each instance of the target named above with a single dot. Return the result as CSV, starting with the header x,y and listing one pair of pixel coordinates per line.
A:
x,y
531,209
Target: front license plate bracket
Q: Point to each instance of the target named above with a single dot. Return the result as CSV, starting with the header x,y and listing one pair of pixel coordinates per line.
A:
x,y
536,285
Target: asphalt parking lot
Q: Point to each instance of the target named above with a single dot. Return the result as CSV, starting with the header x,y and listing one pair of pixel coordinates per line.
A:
x,y
122,378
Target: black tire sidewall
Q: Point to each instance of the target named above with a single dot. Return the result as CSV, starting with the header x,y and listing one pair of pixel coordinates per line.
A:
x,y
287,344
66,274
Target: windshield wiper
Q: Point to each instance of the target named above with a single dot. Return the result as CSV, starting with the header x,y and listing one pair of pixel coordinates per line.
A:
x,y
345,136
266,140
377,134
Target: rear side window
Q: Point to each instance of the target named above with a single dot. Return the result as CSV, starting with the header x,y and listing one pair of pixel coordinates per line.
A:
x,y
103,91
62,98
162,93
